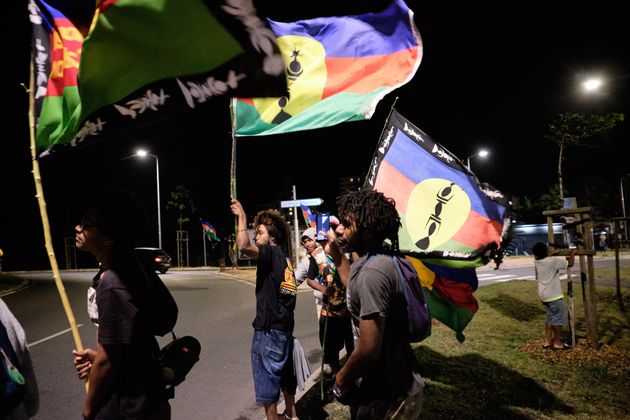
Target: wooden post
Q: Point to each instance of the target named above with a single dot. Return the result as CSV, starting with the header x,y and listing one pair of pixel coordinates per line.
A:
x,y
617,244
591,300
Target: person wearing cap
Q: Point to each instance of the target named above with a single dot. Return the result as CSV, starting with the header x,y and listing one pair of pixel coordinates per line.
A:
x,y
335,328
307,268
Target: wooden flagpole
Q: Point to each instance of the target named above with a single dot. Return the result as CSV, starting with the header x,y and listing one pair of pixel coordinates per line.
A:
x,y
233,173
44,215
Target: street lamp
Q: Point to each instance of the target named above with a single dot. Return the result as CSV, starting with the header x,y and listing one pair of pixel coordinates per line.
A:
x,y
481,153
142,154
623,206
592,84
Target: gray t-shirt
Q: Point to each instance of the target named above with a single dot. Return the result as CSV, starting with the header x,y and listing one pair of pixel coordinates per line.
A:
x,y
375,289
548,276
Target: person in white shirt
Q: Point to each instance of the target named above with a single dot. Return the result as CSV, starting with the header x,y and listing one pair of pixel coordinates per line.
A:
x,y
548,270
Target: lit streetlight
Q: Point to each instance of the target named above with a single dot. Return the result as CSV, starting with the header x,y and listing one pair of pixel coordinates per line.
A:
x,y
481,153
142,154
592,84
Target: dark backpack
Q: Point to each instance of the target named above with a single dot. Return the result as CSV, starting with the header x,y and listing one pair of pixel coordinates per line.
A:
x,y
162,309
175,360
154,298
11,380
418,314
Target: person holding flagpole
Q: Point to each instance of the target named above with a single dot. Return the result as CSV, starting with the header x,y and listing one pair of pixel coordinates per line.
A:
x,y
276,295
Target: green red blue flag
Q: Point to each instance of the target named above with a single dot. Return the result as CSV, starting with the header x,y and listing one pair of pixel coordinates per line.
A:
x,y
449,293
209,230
451,222
448,217
144,61
309,218
56,52
337,69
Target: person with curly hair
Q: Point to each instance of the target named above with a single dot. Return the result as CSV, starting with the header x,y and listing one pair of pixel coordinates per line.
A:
x,y
276,294
380,379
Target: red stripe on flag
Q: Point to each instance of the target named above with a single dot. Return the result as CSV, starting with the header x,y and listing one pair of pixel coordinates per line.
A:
x,y
366,74
66,42
478,231
459,293
388,175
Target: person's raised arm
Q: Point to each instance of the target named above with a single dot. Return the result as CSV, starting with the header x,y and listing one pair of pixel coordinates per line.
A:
x,y
571,257
333,249
242,238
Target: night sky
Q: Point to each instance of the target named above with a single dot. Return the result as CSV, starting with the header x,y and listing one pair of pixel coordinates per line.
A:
x,y
488,78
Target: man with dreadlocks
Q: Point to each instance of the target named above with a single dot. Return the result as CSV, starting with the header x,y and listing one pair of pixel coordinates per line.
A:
x,y
381,379
276,293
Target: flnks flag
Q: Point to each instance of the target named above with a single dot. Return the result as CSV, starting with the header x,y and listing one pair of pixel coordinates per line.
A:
x,y
450,221
143,61
449,292
309,218
209,230
337,68
56,51
448,217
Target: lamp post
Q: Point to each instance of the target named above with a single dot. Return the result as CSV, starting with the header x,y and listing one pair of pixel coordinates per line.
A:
x,y
481,153
142,154
623,206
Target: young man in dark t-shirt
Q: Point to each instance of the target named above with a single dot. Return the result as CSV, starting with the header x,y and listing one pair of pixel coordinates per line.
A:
x,y
120,383
276,292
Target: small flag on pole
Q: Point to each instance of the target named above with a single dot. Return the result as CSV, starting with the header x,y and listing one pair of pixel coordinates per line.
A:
x,y
309,218
209,230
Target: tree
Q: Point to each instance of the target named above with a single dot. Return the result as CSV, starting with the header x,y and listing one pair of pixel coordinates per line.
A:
x,y
550,200
571,129
182,202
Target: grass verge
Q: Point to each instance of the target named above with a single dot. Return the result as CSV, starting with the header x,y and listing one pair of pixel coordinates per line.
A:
x,y
502,371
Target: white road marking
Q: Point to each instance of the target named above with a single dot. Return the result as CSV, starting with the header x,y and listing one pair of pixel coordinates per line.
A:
x,y
504,276
50,337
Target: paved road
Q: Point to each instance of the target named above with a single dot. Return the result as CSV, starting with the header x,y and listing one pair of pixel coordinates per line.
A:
x,y
215,308
523,269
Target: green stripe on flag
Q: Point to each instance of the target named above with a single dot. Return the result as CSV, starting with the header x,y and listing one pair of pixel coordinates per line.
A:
x,y
129,48
336,109
453,316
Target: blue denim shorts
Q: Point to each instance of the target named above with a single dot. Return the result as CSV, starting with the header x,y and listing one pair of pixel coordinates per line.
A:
x,y
555,311
270,353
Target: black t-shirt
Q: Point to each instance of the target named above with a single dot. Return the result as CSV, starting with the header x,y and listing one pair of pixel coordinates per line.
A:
x,y
276,290
121,320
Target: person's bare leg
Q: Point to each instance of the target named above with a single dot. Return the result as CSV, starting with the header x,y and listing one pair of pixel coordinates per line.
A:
x,y
289,403
548,334
271,411
557,338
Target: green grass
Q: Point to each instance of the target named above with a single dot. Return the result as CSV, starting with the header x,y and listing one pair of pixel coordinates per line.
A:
x,y
502,372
